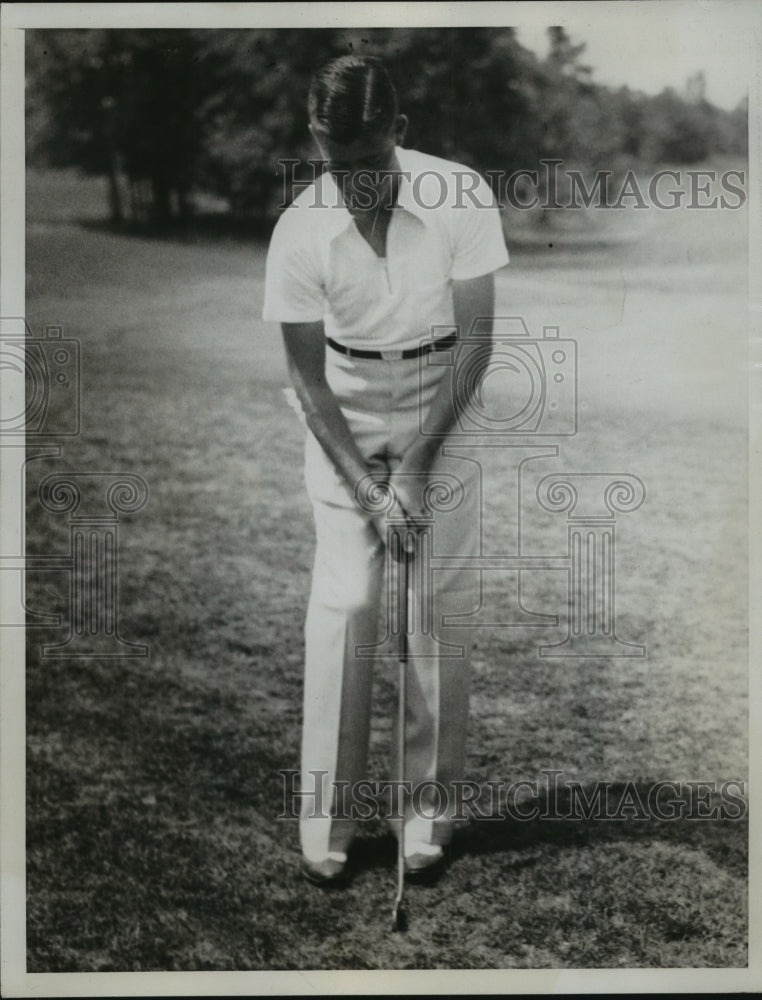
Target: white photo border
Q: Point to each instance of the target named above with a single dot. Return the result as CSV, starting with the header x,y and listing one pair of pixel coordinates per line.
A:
x,y
16,982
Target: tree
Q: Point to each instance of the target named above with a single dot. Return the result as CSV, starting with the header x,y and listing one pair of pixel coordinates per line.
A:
x,y
123,102
170,112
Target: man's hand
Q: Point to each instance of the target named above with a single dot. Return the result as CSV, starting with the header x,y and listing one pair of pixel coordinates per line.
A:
x,y
409,489
409,481
406,487
379,469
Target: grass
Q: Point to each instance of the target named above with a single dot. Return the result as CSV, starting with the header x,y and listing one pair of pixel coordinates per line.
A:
x,y
153,792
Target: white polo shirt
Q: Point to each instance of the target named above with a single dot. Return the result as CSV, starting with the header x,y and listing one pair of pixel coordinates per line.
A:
x,y
445,226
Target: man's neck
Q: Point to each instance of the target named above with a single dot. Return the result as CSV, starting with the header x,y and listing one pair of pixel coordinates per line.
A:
x,y
373,226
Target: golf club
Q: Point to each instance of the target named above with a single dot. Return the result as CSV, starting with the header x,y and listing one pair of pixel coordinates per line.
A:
x,y
404,557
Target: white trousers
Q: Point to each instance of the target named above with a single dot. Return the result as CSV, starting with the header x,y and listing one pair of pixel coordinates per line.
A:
x,y
383,402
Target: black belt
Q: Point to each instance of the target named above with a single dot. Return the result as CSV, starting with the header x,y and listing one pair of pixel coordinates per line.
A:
x,y
412,352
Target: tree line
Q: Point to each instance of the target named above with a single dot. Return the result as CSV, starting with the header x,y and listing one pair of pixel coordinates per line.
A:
x,y
165,114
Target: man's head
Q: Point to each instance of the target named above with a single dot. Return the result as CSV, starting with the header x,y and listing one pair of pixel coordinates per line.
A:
x,y
355,121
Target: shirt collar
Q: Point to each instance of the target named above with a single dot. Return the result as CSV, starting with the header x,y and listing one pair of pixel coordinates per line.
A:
x,y
405,196
338,218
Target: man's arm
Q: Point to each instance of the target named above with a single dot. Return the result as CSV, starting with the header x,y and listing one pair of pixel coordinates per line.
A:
x,y
305,355
473,298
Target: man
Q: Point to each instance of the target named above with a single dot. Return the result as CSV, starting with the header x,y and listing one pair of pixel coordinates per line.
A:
x,y
388,247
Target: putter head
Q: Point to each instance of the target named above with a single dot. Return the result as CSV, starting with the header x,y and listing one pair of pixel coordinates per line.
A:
x,y
399,918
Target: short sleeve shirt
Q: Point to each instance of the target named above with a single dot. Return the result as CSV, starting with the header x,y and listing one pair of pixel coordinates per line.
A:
x,y
445,226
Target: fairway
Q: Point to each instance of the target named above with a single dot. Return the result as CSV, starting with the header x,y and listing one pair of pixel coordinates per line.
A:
x,y
153,791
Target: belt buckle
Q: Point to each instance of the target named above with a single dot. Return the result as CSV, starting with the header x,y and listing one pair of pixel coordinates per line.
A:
x,y
391,355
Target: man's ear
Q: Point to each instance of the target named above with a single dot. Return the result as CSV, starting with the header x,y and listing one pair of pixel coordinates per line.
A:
x,y
401,129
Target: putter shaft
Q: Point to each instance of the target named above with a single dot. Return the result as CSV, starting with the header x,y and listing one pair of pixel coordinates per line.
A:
x,y
403,591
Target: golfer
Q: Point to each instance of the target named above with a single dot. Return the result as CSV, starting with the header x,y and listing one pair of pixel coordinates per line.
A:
x,y
373,272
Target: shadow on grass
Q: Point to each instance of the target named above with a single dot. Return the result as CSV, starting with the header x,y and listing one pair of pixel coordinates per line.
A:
x,y
561,822
210,227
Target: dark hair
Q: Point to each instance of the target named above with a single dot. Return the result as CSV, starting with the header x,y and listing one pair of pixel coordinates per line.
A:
x,y
351,96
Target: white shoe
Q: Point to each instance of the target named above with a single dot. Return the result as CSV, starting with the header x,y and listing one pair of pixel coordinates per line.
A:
x,y
326,870
420,856
339,856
